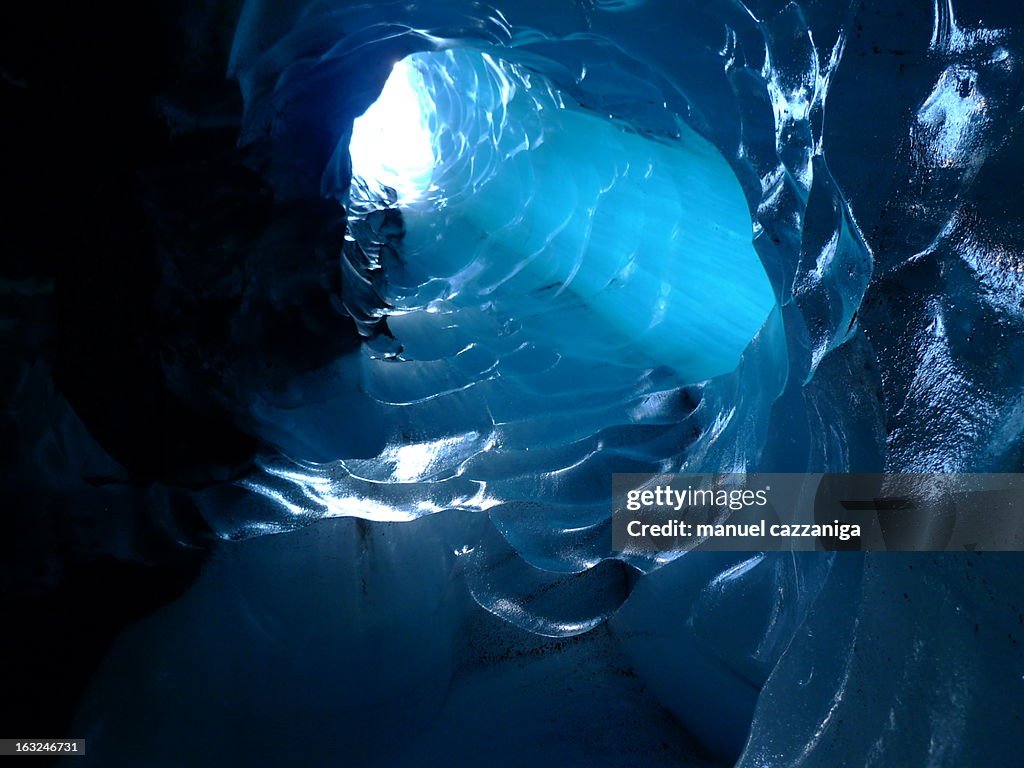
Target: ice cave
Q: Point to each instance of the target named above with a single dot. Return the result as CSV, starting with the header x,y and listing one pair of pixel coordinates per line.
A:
x,y
330,328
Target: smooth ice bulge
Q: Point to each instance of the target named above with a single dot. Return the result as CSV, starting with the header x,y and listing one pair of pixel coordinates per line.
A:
x,y
602,242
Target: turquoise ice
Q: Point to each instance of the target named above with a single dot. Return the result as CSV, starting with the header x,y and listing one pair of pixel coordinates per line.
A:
x,y
602,242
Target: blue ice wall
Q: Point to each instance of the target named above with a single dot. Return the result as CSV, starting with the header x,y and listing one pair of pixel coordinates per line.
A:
x,y
876,147
604,243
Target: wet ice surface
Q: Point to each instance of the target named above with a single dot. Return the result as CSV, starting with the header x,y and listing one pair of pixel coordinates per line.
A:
x,y
878,149
348,643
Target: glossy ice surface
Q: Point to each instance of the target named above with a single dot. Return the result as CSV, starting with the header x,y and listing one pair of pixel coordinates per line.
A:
x,y
655,236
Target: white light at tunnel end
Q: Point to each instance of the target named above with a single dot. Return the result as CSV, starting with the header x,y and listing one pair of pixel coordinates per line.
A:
x,y
392,144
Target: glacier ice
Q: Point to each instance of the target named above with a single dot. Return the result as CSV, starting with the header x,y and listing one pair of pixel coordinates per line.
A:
x,y
872,150
600,243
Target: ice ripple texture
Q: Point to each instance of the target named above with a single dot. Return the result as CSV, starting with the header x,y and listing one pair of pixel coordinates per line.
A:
x,y
878,151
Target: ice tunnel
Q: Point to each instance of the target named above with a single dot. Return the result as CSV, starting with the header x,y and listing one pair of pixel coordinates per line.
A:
x,y
327,377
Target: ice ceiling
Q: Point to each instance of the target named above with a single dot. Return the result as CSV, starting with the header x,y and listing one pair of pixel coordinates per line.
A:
x,y
593,237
